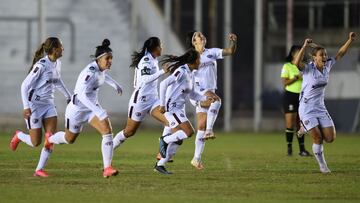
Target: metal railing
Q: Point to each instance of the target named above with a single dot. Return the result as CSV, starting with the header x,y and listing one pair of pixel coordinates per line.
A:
x,y
315,12
29,21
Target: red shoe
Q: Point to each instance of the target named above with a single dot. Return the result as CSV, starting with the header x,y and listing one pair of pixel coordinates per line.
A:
x,y
47,144
15,141
41,173
110,171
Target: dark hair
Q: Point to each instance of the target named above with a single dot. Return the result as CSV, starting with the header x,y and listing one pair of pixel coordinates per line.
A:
x,y
292,51
190,56
45,47
149,45
188,39
316,49
103,48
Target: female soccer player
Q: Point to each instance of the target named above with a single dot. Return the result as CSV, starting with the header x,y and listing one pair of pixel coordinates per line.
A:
x,y
173,92
312,111
84,106
292,79
205,84
145,97
37,93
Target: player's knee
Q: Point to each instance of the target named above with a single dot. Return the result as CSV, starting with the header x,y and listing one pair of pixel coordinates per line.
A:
x,y
201,126
70,140
129,133
36,143
190,133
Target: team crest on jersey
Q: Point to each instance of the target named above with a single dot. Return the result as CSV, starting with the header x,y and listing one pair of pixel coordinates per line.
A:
x,y
210,56
92,69
42,61
146,59
35,120
137,114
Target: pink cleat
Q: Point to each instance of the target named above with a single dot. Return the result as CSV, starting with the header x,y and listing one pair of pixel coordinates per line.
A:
x,y
41,173
15,141
197,164
47,144
110,171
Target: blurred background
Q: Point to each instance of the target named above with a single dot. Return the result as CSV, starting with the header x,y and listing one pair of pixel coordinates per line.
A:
x,y
249,82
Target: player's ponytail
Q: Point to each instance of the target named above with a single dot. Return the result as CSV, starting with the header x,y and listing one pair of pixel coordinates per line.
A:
x,y
149,46
45,48
189,57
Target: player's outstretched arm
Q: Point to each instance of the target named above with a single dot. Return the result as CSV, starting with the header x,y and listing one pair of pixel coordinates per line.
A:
x,y
232,47
299,57
342,51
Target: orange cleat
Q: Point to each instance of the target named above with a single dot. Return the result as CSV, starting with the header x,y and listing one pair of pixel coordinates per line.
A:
x,y
41,173
15,141
110,171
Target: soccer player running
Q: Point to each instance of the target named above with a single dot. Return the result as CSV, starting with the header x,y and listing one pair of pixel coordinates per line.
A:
x,y
173,92
84,106
37,93
205,84
312,111
145,98
292,80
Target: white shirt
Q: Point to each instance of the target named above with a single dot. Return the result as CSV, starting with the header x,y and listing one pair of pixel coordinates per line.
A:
x,y
206,75
313,88
146,75
87,88
39,85
177,87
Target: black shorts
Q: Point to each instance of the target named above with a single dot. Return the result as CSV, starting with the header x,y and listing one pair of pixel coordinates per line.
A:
x,y
291,102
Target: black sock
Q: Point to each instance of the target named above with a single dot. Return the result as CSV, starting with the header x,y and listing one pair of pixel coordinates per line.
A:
x,y
301,141
289,132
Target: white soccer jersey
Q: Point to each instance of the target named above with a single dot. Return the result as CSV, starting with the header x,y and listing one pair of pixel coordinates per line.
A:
x,y
146,76
206,75
39,85
177,87
87,87
313,89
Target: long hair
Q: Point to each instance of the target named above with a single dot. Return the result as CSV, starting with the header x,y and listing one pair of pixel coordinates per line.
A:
x,y
189,57
292,51
45,48
149,46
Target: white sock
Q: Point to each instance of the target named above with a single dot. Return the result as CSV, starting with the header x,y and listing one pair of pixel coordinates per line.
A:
x,y
107,149
171,150
319,154
212,114
25,138
58,138
44,156
199,144
119,139
176,136
166,131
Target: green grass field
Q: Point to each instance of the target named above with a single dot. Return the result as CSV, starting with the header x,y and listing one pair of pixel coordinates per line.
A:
x,y
239,167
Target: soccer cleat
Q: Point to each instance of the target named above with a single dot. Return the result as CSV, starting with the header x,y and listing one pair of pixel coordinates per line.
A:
x,y
41,173
324,169
209,135
163,147
47,144
110,171
15,141
197,164
304,153
161,169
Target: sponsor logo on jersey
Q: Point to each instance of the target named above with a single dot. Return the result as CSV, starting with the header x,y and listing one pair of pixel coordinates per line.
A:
x,y
36,69
146,71
209,63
